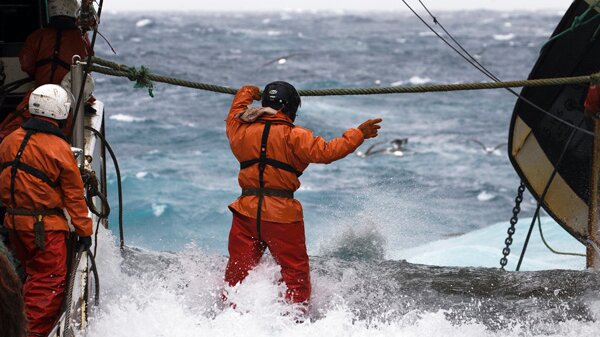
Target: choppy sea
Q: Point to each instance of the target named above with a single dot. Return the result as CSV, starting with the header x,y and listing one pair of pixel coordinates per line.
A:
x,y
401,243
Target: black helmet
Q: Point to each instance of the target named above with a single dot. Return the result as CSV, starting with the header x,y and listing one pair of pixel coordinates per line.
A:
x,y
281,95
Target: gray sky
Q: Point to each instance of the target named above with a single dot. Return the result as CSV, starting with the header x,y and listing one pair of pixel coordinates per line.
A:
x,y
262,5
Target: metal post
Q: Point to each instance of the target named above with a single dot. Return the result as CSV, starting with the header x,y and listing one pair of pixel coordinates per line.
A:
x,y
592,259
76,83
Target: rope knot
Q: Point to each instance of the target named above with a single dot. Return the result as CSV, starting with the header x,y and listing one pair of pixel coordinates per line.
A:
x,y
141,78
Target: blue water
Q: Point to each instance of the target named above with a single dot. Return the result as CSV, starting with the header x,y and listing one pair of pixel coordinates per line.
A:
x,y
445,202
179,174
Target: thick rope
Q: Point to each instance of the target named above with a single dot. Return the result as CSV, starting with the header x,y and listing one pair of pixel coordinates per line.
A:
x,y
144,78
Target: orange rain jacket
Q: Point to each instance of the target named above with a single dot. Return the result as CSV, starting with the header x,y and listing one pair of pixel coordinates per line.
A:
x,y
39,48
52,155
295,146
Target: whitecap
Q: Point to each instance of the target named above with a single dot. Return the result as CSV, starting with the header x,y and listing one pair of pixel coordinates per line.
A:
x,y
136,39
126,118
504,37
397,83
141,174
158,209
508,24
416,80
266,21
273,33
424,34
143,23
485,196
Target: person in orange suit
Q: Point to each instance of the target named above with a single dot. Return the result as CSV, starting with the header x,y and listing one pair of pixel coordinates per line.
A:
x,y
47,53
273,153
40,185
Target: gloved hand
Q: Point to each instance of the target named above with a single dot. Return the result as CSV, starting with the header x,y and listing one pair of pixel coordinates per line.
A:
x,y
370,127
254,90
84,242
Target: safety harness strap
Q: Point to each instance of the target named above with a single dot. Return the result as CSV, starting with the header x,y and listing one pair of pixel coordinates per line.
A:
x,y
32,126
31,170
22,211
272,192
271,162
261,173
55,59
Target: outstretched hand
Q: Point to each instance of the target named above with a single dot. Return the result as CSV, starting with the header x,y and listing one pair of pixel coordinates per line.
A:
x,y
370,127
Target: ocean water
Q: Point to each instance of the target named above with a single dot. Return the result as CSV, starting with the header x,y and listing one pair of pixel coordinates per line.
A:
x,y
400,244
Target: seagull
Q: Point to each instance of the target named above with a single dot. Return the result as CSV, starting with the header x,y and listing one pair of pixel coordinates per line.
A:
x,y
281,59
488,149
396,149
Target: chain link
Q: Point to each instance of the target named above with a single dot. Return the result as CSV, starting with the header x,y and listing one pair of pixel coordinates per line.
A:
x,y
513,221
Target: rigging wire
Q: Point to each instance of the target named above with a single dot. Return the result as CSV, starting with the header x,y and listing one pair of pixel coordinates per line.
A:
x,y
543,196
548,246
476,64
485,71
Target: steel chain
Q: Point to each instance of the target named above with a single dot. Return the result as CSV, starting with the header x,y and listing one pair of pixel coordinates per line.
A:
x,y
513,222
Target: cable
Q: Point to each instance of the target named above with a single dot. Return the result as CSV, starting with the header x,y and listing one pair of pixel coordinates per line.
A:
x,y
482,69
119,187
96,277
543,196
548,246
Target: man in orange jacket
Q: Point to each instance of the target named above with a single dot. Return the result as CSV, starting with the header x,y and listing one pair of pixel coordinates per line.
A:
x,y
47,53
272,153
40,184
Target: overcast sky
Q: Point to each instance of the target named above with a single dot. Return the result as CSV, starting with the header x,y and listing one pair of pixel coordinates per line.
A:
x,y
273,5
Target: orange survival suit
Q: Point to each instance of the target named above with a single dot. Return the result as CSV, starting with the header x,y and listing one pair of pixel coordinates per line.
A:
x,y
46,57
39,181
47,53
266,215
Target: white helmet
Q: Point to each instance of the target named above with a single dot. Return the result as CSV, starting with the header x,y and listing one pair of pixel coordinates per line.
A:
x,y
63,7
50,100
88,88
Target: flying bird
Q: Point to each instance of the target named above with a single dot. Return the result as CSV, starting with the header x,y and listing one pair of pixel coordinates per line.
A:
x,y
488,149
397,148
281,59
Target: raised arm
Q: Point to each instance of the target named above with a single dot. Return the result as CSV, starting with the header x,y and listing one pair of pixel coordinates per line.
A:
x,y
311,149
243,98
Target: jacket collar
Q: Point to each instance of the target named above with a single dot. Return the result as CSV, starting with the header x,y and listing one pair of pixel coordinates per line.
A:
x,y
40,125
278,117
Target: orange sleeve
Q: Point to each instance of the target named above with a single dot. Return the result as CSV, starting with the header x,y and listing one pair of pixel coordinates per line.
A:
x,y
310,149
71,185
29,53
243,98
